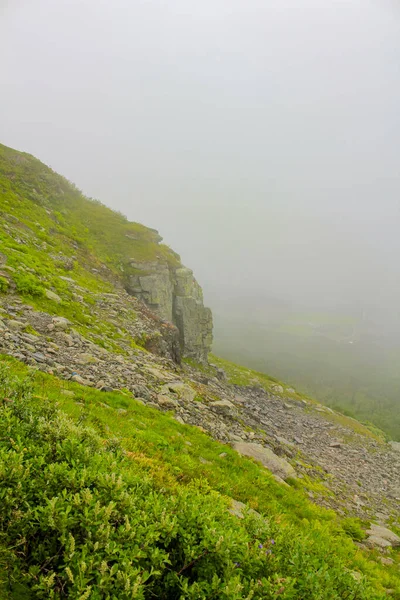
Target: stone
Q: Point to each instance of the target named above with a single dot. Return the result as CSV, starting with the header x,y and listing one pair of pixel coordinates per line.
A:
x,y
141,391
382,537
78,379
87,359
221,375
60,323
52,296
15,325
386,561
240,400
335,444
183,391
277,388
68,393
277,465
166,401
162,376
238,509
223,406
375,541
395,446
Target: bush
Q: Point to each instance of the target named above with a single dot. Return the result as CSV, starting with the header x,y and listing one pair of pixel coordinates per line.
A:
x,y
353,528
81,520
4,285
28,285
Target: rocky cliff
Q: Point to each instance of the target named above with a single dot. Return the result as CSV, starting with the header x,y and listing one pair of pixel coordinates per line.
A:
x,y
175,296
61,230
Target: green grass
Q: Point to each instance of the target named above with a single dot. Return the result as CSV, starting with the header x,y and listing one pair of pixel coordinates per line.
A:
x,y
315,547
238,375
51,228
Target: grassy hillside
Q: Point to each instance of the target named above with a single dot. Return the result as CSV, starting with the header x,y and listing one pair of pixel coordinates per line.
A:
x,y
48,225
360,378
106,498
103,497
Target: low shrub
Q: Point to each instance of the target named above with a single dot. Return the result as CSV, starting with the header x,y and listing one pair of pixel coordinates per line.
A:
x,y
80,519
27,285
354,529
4,285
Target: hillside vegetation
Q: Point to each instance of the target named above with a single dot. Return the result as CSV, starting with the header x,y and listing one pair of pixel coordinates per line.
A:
x,y
118,479
360,378
115,503
48,227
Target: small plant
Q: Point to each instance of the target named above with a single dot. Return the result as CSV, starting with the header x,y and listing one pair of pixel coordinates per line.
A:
x,y
28,285
29,329
4,285
353,528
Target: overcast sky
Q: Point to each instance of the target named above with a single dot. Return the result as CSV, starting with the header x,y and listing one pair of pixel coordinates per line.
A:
x,y
260,137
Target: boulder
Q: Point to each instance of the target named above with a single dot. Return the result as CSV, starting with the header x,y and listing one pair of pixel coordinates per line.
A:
x,y
221,375
87,359
381,537
52,296
141,391
15,325
277,388
183,391
222,406
239,509
78,379
60,323
166,401
277,465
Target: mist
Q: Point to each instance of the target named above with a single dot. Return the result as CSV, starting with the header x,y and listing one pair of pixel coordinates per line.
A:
x,y
261,138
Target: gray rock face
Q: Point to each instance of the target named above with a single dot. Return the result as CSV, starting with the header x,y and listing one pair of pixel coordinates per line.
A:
x,y
278,466
174,295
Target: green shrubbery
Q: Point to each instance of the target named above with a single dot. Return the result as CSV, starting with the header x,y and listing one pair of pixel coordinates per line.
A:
x,y
27,285
81,520
353,528
3,285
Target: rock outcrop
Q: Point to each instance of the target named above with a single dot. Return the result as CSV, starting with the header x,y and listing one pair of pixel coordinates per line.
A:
x,y
175,296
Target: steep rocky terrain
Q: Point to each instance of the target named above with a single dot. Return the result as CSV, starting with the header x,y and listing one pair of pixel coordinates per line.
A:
x,y
352,467
95,300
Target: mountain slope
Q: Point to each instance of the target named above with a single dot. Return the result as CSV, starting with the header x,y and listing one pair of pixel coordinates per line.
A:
x,y
118,461
49,229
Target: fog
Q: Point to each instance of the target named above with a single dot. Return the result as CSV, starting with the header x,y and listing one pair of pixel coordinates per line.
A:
x,y
260,137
